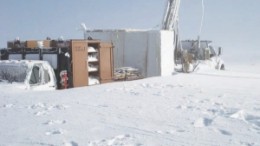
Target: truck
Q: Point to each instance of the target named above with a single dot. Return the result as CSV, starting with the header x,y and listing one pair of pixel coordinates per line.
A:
x,y
196,53
26,74
68,63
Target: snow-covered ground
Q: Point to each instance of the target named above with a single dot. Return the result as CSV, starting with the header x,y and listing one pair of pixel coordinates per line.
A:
x,y
242,60
206,108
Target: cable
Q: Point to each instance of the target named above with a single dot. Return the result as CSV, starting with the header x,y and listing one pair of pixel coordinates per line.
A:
x,y
202,17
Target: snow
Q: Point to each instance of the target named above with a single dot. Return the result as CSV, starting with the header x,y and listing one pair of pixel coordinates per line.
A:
x,y
207,107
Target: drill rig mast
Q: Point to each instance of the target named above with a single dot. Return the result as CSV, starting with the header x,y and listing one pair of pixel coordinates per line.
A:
x,y
171,22
171,15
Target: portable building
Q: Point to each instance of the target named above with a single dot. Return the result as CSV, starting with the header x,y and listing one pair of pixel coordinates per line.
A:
x,y
151,51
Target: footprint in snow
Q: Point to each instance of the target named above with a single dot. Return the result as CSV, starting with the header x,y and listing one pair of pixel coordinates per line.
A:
x,y
159,132
247,144
56,132
170,86
46,107
222,96
218,104
134,93
224,132
158,94
61,107
181,107
57,107
37,106
52,122
180,85
181,131
202,122
173,131
120,140
42,144
8,105
170,132
72,143
41,113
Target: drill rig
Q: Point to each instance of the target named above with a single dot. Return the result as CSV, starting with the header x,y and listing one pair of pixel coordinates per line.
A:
x,y
190,53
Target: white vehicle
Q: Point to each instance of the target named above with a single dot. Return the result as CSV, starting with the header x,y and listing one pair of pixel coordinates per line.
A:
x,y
195,55
28,74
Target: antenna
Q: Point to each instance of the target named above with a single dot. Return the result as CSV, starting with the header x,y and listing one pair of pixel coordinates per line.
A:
x,y
83,28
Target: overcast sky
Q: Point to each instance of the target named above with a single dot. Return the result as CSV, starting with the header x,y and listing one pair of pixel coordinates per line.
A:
x,y
232,24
